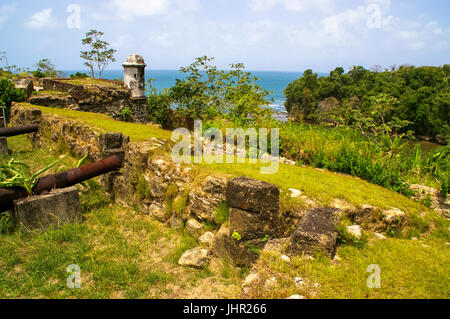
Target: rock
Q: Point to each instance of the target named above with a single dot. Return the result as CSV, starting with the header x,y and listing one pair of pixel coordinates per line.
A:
x,y
207,239
289,162
252,195
236,252
285,258
156,188
159,166
316,231
158,212
250,225
111,140
197,257
342,205
193,227
176,222
215,186
203,207
270,283
298,281
394,217
355,230
294,193
424,192
252,280
379,236
296,297
278,245
61,206
366,213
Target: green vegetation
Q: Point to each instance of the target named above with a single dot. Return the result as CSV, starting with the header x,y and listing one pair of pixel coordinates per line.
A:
x,y
221,213
46,69
126,114
79,75
136,132
100,55
9,94
210,94
121,254
17,174
416,98
124,254
386,161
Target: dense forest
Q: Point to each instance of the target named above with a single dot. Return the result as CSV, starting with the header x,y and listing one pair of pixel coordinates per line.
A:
x,y
410,99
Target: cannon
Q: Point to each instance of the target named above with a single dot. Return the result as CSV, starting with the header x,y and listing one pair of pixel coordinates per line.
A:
x,y
18,130
60,180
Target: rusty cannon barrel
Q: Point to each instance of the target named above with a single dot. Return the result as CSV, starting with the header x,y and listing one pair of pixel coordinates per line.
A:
x,y
18,130
60,180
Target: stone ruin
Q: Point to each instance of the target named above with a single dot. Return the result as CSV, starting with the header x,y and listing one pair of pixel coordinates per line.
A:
x,y
100,95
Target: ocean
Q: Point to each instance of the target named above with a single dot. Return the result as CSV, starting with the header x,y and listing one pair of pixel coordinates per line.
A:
x,y
272,81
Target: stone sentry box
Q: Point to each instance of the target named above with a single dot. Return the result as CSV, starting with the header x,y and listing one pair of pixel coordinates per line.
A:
x,y
134,75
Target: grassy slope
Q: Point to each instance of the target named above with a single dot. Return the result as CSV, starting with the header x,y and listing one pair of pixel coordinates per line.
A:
x,y
323,186
116,247
121,254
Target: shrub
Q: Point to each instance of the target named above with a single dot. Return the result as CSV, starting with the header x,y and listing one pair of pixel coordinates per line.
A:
x,y
79,75
126,114
9,94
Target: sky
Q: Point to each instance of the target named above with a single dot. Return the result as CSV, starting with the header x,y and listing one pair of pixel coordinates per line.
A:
x,y
272,35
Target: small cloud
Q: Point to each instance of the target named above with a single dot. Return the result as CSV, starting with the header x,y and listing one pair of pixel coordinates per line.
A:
x,y
127,9
41,20
293,5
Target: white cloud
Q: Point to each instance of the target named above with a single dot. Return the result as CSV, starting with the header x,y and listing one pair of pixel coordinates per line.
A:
x,y
293,5
127,9
5,12
41,20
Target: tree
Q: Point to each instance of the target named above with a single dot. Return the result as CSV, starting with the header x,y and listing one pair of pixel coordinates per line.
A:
x,y
208,93
100,55
45,68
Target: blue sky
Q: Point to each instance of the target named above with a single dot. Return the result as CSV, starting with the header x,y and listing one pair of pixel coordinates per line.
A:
x,y
285,35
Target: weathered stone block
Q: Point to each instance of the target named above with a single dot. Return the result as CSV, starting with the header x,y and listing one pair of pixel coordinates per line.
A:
x,y
237,252
111,140
250,225
215,186
3,145
61,206
316,232
252,195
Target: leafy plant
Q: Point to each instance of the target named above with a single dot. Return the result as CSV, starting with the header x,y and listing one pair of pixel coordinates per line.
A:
x,y
126,114
236,236
17,174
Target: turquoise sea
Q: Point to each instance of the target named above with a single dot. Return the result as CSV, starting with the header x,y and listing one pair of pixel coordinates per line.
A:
x,y
269,80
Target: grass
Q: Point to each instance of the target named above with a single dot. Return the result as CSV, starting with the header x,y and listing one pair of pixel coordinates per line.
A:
x,y
136,132
321,185
408,270
52,93
89,81
123,254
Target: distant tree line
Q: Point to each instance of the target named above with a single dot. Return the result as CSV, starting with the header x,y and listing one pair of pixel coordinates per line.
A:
x,y
408,98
